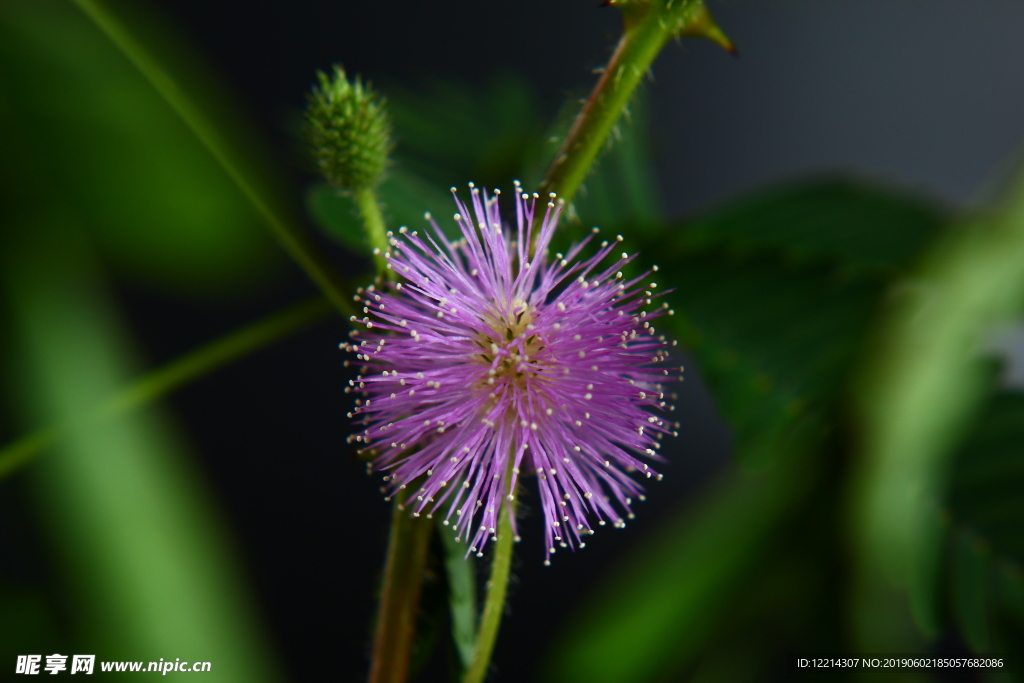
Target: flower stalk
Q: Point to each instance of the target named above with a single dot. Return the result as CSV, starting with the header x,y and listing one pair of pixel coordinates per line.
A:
x,y
408,542
649,25
494,603
373,224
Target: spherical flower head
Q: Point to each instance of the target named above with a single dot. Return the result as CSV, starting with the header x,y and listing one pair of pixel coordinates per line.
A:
x,y
489,361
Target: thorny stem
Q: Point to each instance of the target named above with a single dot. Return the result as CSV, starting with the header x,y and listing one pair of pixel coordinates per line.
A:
x,y
648,27
177,373
494,602
400,594
373,223
290,236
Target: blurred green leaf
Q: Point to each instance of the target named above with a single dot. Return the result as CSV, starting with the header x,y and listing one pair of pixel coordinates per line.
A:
x,y
432,617
923,381
338,216
970,588
405,197
1009,622
987,490
926,571
461,574
452,133
621,189
29,623
986,510
656,612
140,546
781,608
157,203
858,227
772,341
774,311
775,315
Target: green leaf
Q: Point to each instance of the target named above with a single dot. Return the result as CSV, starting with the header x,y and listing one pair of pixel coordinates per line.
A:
x,y
144,554
621,188
461,574
1010,579
454,133
772,342
405,197
924,381
970,584
29,622
988,478
653,615
775,317
338,216
926,575
157,203
774,310
1009,620
431,618
855,226
986,510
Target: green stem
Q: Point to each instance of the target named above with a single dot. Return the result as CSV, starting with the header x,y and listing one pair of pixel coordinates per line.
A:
x,y
494,602
649,26
166,379
294,241
376,232
400,595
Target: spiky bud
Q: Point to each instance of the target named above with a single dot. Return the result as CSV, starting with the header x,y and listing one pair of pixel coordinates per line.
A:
x,y
348,131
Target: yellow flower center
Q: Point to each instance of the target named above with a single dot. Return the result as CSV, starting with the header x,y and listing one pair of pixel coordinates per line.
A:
x,y
512,341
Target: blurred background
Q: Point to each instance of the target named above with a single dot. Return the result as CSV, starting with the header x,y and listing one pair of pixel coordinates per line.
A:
x,y
232,518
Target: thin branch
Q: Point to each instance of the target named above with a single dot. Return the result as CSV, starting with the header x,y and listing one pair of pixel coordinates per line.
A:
x,y
291,237
177,373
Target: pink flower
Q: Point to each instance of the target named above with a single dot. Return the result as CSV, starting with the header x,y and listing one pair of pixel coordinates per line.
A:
x,y
491,360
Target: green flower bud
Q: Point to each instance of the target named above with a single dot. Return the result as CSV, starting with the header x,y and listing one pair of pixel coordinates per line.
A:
x,y
348,131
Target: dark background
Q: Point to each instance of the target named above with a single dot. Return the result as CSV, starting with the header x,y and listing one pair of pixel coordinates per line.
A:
x,y
925,93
